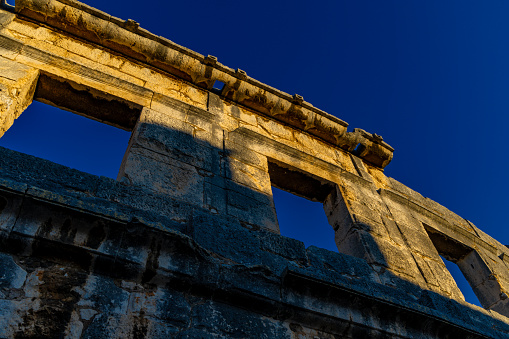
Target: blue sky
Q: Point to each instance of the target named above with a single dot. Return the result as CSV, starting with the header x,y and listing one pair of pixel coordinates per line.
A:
x,y
431,77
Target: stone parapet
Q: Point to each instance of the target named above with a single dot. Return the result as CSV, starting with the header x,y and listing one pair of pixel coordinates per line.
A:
x,y
108,269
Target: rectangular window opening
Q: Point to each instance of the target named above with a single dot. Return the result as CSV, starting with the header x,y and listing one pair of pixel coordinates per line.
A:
x,y
48,130
451,252
461,282
298,198
218,86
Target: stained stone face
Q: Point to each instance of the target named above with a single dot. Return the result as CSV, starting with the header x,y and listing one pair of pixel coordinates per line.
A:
x,y
185,243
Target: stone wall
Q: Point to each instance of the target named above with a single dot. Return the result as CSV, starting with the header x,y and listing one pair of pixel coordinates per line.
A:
x,y
185,243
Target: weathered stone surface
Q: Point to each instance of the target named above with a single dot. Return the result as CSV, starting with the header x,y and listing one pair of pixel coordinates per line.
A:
x,y
186,243
17,86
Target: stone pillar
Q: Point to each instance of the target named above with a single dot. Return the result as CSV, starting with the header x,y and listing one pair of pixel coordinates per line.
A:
x,y
364,228
179,151
17,86
172,152
488,274
421,248
246,181
248,187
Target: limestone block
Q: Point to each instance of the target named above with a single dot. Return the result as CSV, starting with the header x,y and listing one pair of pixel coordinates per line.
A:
x,y
27,31
450,216
377,175
167,85
282,153
225,236
240,113
241,323
355,188
430,278
10,206
401,188
169,177
363,201
216,106
489,294
447,284
497,263
475,269
355,209
315,146
393,229
241,153
17,86
214,198
251,206
275,129
174,115
360,167
5,19
247,175
418,240
163,110
57,44
176,144
399,260
67,227
488,279
200,119
12,276
361,244
501,307
337,211
402,215
56,61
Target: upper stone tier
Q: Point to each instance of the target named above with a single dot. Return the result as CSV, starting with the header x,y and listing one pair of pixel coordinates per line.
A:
x,y
129,39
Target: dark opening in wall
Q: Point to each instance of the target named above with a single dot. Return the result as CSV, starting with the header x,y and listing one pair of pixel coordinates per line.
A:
x,y
88,102
298,198
298,182
218,86
46,130
455,256
67,139
461,282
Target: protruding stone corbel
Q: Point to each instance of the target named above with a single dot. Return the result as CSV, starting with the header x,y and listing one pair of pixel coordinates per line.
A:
x,y
131,25
210,61
298,99
310,121
240,74
367,146
363,142
348,141
227,89
277,109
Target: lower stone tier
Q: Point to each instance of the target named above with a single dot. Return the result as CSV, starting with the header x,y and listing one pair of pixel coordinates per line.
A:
x,y
87,257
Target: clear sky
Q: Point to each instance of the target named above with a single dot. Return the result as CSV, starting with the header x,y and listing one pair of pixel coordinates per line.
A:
x,y
431,77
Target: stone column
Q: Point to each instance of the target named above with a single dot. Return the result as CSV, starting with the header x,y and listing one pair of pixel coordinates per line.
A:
x,y
17,86
407,218
365,228
172,151
245,180
179,151
488,274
